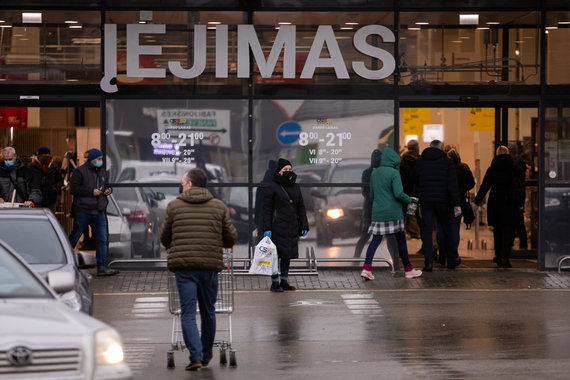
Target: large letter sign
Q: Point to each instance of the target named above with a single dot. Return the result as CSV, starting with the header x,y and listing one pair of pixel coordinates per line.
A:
x,y
248,45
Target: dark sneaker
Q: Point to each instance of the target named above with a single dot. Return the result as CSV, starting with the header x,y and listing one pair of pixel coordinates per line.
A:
x,y
275,287
193,366
285,286
106,271
206,362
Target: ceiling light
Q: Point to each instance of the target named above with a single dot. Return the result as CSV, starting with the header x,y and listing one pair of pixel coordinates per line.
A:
x,y
284,23
469,19
351,23
75,26
211,27
456,41
422,23
563,22
214,22
71,22
1,21
492,23
483,28
346,28
32,18
5,26
551,27
412,28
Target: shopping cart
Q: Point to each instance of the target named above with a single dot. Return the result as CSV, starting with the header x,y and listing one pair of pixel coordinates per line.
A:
x,y
224,305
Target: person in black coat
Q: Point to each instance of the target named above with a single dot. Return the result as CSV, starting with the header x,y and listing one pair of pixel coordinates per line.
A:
x,y
504,204
47,173
284,219
439,200
465,182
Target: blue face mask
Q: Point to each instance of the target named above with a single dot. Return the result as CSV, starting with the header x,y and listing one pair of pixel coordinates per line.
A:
x,y
98,164
9,163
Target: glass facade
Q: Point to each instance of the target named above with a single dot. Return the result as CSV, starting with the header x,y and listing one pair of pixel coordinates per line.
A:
x,y
227,87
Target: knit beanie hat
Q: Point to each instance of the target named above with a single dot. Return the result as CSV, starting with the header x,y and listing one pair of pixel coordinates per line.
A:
x,y
93,154
281,163
43,150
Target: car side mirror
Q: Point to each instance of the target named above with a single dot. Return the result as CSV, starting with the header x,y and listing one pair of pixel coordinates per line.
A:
x,y
86,260
61,282
126,211
317,194
160,196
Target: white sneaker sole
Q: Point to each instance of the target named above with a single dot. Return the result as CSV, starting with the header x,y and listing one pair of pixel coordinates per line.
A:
x,y
413,275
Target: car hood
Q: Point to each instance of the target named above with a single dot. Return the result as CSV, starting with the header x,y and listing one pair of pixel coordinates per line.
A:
x,y
22,318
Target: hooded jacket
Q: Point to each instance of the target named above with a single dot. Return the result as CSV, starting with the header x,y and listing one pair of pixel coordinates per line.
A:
x,y
436,178
16,177
386,191
196,228
375,159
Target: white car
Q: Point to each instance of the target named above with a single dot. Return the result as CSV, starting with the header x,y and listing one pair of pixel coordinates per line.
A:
x,y
42,338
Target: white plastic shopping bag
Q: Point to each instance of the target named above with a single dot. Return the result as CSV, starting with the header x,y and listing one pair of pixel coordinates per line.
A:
x,y
264,258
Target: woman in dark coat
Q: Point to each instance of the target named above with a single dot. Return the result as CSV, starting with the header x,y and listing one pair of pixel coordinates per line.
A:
x,y
503,205
284,219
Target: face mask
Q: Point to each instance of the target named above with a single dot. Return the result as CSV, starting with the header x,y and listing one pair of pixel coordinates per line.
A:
x,y
98,164
9,163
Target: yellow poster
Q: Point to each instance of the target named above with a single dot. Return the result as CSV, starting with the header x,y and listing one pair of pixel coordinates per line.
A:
x,y
481,119
414,119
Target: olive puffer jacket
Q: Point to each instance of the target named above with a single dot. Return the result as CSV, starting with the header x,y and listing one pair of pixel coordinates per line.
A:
x,y
196,228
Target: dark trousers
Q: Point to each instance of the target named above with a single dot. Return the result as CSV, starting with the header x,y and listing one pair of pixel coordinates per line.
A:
x,y
441,215
503,238
402,249
284,265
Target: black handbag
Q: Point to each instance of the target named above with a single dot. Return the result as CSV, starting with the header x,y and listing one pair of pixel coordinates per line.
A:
x,y
467,212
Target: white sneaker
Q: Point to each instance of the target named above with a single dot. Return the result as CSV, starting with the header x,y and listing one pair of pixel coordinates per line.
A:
x,y
367,275
413,273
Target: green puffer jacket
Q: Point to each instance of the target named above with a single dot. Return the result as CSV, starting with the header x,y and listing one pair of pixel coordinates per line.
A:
x,y
386,189
196,228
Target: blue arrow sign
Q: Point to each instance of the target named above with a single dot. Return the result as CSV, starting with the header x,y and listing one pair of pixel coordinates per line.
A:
x,y
288,132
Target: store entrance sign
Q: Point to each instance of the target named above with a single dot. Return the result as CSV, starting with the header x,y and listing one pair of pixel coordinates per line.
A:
x,y
247,42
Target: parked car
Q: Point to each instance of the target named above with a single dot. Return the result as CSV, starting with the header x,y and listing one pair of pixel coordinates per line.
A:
x,y
143,220
162,195
236,202
119,230
38,237
338,210
41,338
134,170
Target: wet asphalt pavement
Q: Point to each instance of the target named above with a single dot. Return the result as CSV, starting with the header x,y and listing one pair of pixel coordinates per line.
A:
x,y
445,325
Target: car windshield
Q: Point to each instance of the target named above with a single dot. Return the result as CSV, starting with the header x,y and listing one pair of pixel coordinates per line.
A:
x,y
346,174
43,247
16,281
125,193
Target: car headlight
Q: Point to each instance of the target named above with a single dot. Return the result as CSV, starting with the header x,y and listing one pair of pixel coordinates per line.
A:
x,y
108,347
335,213
71,299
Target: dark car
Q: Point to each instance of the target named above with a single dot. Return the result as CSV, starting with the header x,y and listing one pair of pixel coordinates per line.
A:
x,y
236,203
338,210
38,237
556,222
143,220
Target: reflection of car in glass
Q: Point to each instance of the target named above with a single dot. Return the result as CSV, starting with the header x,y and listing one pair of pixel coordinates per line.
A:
x,y
556,221
38,237
133,171
338,209
236,202
42,338
119,230
143,221
162,195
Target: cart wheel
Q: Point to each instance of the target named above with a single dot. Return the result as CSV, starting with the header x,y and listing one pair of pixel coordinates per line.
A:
x,y
223,358
170,360
233,362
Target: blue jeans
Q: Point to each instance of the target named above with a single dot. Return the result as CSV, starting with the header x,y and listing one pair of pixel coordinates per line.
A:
x,y
283,269
98,223
402,248
201,286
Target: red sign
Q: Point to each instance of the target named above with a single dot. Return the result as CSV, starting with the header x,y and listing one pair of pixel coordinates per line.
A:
x,y
16,117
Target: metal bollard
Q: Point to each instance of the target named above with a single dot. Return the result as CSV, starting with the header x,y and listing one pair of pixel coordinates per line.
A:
x,y
470,244
483,244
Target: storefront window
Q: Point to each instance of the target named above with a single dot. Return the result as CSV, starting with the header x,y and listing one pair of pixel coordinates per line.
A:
x,y
557,144
469,47
555,237
156,141
558,35
50,47
328,49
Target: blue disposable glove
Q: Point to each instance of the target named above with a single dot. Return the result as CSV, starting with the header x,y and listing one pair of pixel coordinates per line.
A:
x,y
267,233
304,232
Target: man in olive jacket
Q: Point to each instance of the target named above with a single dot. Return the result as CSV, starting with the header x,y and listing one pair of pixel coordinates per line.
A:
x,y
196,228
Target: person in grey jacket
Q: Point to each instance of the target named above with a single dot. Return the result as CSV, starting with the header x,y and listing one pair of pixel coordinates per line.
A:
x,y
15,184
89,188
196,228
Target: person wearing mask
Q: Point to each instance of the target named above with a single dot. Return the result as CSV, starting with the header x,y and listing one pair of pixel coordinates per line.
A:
x,y
15,183
387,197
284,219
89,188
504,204
196,228
465,182
438,195
46,172
366,217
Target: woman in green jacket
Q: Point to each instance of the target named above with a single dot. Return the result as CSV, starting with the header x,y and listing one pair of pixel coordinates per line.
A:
x,y
387,196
